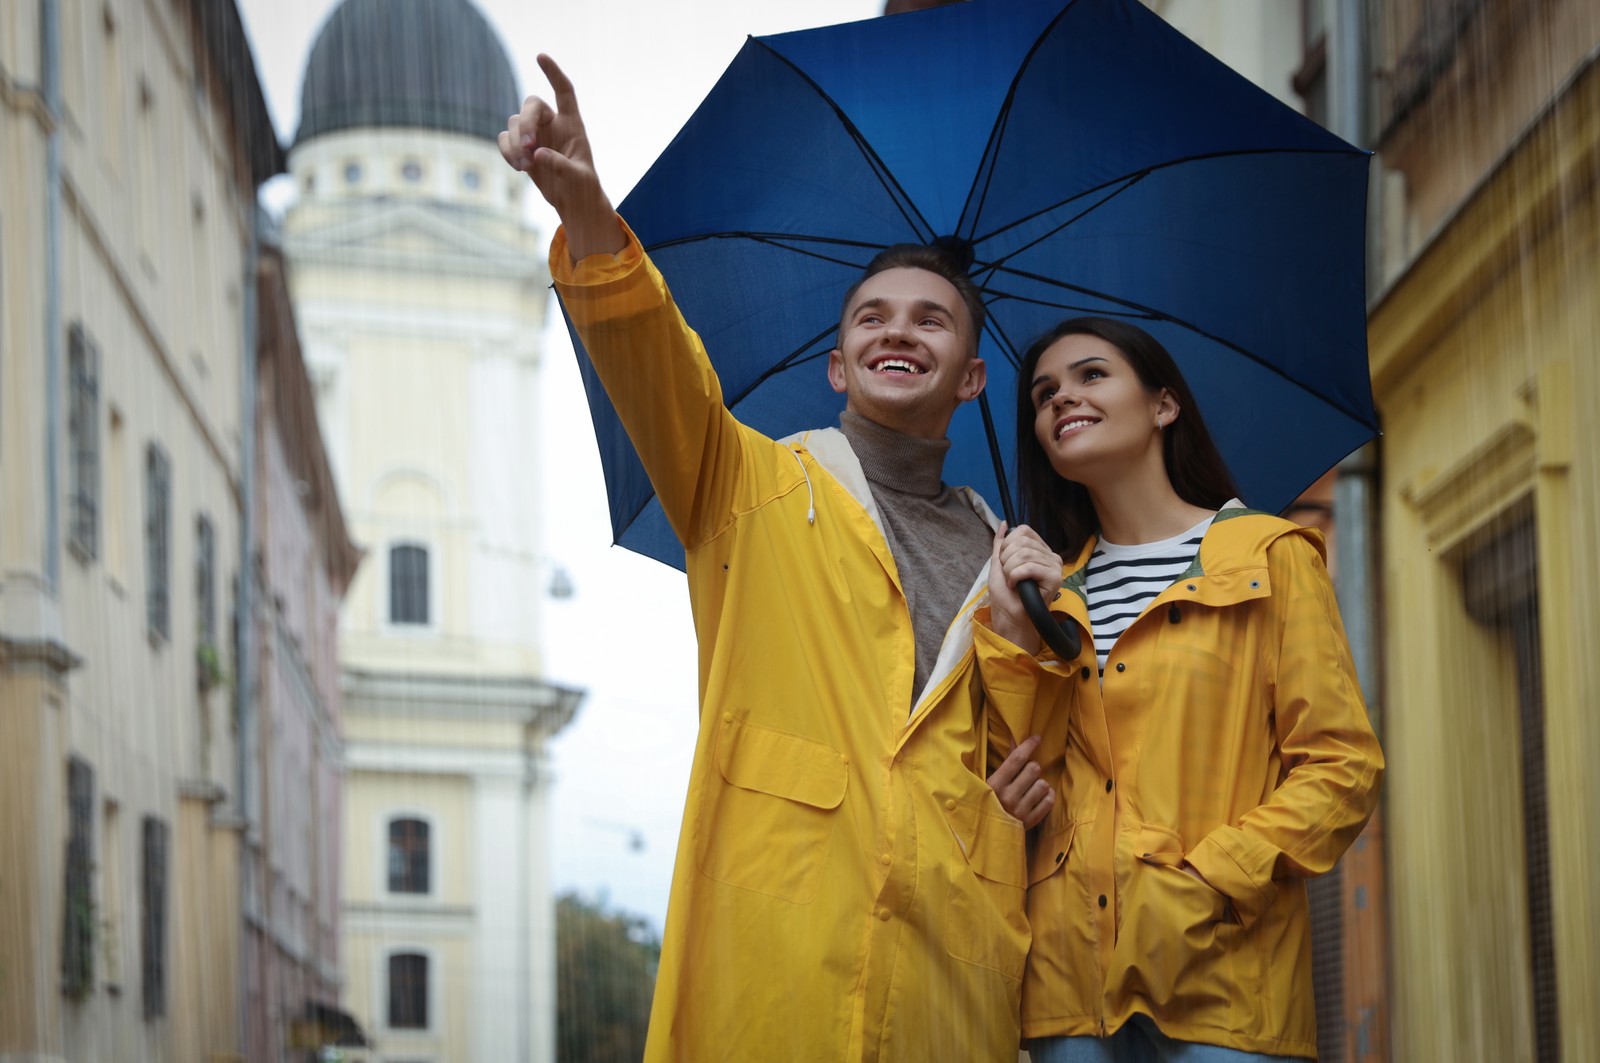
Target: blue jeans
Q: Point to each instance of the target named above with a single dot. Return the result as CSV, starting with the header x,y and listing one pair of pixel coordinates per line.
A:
x,y
1137,1042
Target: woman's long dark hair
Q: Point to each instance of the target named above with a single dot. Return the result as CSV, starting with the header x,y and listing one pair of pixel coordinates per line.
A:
x,y
1059,509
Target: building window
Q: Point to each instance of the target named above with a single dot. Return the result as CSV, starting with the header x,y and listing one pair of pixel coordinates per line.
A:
x,y
153,916
408,584
110,907
408,991
205,577
1500,582
352,173
411,171
470,178
78,914
83,429
157,540
408,856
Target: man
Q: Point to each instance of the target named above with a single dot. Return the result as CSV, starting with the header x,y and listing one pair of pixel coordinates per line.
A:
x,y
847,885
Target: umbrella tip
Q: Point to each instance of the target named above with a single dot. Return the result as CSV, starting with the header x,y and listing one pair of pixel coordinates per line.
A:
x,y
958,248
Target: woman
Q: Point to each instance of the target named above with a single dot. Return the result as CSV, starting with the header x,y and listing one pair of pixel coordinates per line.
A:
x,y
1206,753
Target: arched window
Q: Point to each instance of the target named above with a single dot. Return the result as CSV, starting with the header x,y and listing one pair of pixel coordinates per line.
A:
x,y
408,584
408,856
408,991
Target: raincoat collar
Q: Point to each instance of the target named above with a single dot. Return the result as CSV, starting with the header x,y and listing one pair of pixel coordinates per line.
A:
x,y
1230,566
830,449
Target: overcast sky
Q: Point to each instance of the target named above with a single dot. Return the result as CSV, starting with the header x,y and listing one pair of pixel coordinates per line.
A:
x,y
640,68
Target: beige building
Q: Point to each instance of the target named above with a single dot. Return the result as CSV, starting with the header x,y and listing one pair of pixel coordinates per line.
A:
x,y
1486,117
134,137
421,296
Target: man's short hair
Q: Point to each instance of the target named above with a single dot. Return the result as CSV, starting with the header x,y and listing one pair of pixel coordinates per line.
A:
x,y
935,260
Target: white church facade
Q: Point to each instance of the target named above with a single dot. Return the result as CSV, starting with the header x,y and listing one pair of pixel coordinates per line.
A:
x,y
420,294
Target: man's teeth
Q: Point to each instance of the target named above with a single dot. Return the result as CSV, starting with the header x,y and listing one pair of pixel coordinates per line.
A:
x,y
896,365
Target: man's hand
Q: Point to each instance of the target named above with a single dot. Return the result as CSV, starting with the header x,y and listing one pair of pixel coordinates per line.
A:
x,y
1018,784
551,146
1018,556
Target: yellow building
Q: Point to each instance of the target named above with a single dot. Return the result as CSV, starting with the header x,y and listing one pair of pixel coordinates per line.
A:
x,y
1485,366
133,138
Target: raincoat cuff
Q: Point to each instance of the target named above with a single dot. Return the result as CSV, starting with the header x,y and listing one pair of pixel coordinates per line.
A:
x,y
1011,676
1045,659
595,270
1239,867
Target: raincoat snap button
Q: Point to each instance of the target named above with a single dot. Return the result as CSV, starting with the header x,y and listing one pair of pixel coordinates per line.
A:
x,y
886,859
1060,857
1191,586
844,760
1086,671
1102,900
883,913
727,717
1121,667
1108,786
950,805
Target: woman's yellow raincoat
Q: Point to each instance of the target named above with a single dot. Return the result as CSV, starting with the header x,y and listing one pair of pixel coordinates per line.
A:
x,y
847,886
1229,731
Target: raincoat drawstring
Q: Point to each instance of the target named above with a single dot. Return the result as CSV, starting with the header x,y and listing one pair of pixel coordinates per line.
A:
x,y
811,499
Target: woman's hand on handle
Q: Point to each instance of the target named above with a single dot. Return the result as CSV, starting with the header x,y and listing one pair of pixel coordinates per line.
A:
x,y
1018,556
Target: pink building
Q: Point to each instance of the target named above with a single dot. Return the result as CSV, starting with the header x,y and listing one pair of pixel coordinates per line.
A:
x,y
302,563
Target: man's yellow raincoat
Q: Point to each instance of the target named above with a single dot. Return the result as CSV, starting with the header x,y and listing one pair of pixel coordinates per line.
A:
x,y
847,886
1229,731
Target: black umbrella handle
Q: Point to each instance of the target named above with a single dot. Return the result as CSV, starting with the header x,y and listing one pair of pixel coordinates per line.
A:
x,y
1063,640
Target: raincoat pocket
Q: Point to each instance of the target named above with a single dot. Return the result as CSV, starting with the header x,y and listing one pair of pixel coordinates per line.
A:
x,y
986,922
1052,845
768,813
1174,947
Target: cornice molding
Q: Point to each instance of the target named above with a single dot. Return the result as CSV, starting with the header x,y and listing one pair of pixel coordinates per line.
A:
x,y
1547,172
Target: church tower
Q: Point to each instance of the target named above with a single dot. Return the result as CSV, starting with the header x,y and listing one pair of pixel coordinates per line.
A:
x,y
421,294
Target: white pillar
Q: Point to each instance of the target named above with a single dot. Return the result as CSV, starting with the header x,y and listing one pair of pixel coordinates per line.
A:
x,y
542,914
500,975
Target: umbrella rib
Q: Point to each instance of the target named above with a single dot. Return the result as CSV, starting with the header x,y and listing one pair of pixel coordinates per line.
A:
x,y
788,361
999,263
991,150
908,210
1150,313
777,239
1135,176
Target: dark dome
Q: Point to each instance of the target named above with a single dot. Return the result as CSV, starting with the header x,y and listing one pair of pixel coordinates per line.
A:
x,y
434,64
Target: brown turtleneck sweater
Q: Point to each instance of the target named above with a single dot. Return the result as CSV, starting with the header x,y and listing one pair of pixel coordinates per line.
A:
x,y
939,544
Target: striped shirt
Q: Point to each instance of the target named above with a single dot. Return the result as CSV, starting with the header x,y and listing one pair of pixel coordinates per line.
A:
x,y
1120,581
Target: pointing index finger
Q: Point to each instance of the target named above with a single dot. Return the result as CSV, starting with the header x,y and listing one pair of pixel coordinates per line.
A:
x,y
566,99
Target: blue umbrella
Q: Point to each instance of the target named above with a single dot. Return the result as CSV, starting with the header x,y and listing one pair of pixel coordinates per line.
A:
x,y
1085,158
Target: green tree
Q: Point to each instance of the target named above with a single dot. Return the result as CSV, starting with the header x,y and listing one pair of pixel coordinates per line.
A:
x,y
605,974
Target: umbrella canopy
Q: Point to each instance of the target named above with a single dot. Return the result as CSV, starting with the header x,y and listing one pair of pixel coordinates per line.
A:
x,y
1086,156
